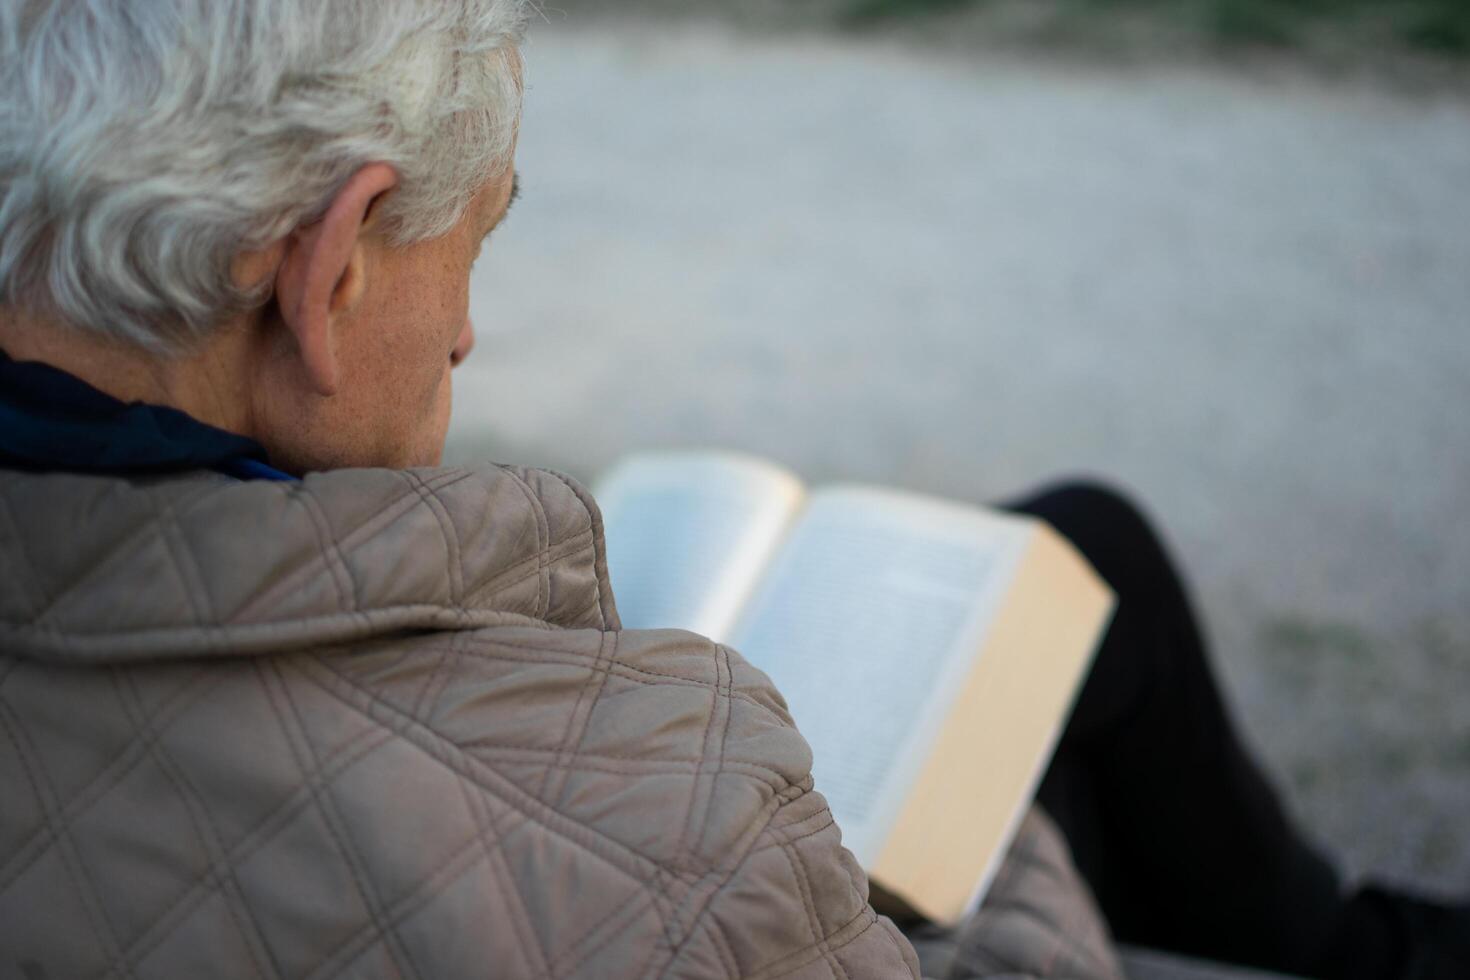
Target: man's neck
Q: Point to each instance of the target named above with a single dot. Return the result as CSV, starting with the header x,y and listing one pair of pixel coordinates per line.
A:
x,y
198,382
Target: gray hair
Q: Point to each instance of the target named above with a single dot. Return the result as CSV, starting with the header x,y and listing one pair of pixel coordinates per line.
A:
x,y
145,144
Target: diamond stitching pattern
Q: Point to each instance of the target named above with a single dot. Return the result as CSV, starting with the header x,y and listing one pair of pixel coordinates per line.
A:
x,y
597,682
76,872
119,553
130,756
473,786
197,893
653,888
530,947
320,561
616,856
668,888
321,797
221,872
446,528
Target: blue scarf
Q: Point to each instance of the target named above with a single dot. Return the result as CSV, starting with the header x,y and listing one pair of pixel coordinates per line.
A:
x,y
53,421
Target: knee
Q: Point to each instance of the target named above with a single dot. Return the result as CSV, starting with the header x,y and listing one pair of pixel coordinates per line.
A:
x,y
1102,521
1085,503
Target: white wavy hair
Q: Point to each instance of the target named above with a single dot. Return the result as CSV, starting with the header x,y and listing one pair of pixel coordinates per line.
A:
x,y
145,143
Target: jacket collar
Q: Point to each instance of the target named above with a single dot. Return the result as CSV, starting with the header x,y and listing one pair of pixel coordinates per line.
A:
x,y
53,421
108,570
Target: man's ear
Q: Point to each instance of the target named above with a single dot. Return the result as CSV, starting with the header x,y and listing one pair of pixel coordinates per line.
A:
x,y
321,273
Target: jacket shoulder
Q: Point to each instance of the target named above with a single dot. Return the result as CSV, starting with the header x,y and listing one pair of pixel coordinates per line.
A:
x,y
659,754
570,717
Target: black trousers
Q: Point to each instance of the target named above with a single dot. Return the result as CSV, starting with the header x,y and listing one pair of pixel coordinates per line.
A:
x,y
1182,838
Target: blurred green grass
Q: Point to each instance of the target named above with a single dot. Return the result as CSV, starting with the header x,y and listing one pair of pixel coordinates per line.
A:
x,y
1440,27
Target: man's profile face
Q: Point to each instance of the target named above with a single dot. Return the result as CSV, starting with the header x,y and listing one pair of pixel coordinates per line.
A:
x,y
396,347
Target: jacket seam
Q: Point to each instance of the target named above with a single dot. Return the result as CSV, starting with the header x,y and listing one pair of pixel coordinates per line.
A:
x,y
618,665
445,655
681,852
781,843
166,523
599,550
244,640
370,526
381,517
87,892
555,551
340,574
722,657
332,819
446,530
458,863
814,922
261,833
729,961
227,634
514,901
826,947
735,868
508,794
603,762
596,679
543,542
629,909
221,872
564,757
74,807
115,552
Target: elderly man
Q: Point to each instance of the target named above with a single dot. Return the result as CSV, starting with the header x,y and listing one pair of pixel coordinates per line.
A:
x,y
372,722
279,698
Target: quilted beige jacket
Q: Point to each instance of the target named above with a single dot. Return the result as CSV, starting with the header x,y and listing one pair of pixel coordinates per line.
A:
x,y
384,724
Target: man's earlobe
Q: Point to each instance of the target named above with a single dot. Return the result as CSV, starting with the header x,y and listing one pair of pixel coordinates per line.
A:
x,y
322,274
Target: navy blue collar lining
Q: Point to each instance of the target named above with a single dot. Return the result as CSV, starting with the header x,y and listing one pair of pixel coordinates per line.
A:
x,y
53,421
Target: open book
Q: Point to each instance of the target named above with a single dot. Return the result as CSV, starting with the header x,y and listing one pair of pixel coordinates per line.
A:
x,y
929,651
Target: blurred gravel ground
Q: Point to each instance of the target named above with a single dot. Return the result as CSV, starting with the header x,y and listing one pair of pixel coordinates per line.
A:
x,y
1244,297
1413,42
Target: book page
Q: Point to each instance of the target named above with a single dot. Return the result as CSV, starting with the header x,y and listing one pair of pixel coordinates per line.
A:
x,y
981,771
689,534
868,622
